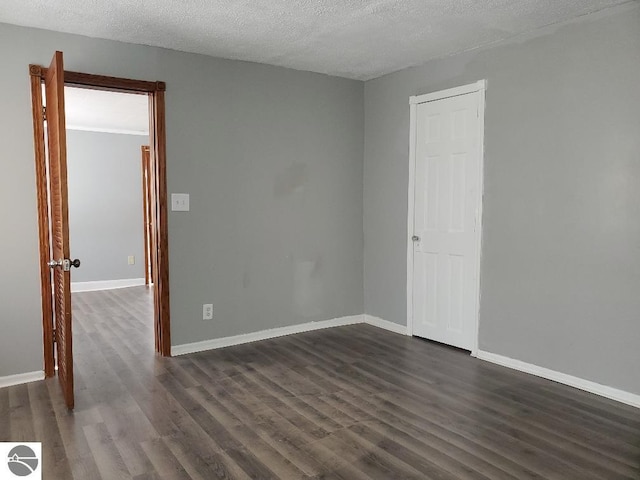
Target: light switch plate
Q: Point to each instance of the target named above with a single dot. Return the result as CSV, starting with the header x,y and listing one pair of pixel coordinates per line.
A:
x,y
180,202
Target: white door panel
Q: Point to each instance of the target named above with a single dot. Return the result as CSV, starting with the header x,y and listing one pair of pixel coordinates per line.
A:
x,y
447,183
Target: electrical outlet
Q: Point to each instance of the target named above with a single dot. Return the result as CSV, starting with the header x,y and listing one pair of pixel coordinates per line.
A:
x,y
179,202
132,260
207,311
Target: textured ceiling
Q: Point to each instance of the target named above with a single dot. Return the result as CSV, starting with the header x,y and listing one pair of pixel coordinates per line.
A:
x,y
359,39
99,111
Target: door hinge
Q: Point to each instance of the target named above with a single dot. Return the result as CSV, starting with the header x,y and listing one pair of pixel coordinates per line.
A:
x,y
44,113
54,335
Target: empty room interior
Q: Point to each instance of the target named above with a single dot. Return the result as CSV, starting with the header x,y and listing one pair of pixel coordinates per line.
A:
x,y
320,240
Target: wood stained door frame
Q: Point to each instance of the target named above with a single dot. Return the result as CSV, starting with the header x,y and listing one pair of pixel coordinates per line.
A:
x,y
148,199
157,129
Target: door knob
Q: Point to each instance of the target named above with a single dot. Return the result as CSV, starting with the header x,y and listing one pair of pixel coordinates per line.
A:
x,y
65,263
415,238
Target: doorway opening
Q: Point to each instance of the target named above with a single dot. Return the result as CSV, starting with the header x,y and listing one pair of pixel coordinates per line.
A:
x,y
50,141
108,167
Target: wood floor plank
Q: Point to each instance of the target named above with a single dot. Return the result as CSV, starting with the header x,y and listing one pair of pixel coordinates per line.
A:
x,y
373,461
270,427
348,403
202,464
442,452
503,411
163,461
440,437
5,415
54,455
21,418
538,440
104,451
217,432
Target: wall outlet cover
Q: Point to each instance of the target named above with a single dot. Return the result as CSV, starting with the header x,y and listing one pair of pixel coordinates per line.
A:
x,y
207,311
131,260
180,202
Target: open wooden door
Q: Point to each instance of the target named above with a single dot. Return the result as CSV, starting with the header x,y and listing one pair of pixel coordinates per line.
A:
x,y
61,265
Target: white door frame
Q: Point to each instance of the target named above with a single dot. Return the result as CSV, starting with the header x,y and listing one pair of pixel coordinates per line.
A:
x,y
479,88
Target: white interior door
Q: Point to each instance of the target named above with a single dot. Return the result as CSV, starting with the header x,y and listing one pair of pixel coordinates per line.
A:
x,y
446,215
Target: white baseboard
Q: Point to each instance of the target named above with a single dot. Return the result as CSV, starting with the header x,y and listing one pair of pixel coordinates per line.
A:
x,y
105,284
385,324
20,378
576,382
262,335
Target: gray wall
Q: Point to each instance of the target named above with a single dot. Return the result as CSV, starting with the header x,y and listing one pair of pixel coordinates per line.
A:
x,y
560,277
105,204
272,159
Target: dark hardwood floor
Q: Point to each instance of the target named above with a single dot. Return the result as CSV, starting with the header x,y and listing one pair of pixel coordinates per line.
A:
x,y
346,403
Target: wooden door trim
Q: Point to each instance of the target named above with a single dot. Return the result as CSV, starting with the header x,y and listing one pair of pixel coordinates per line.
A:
x,y
144,153
104,82
36,75
158,133
155,91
